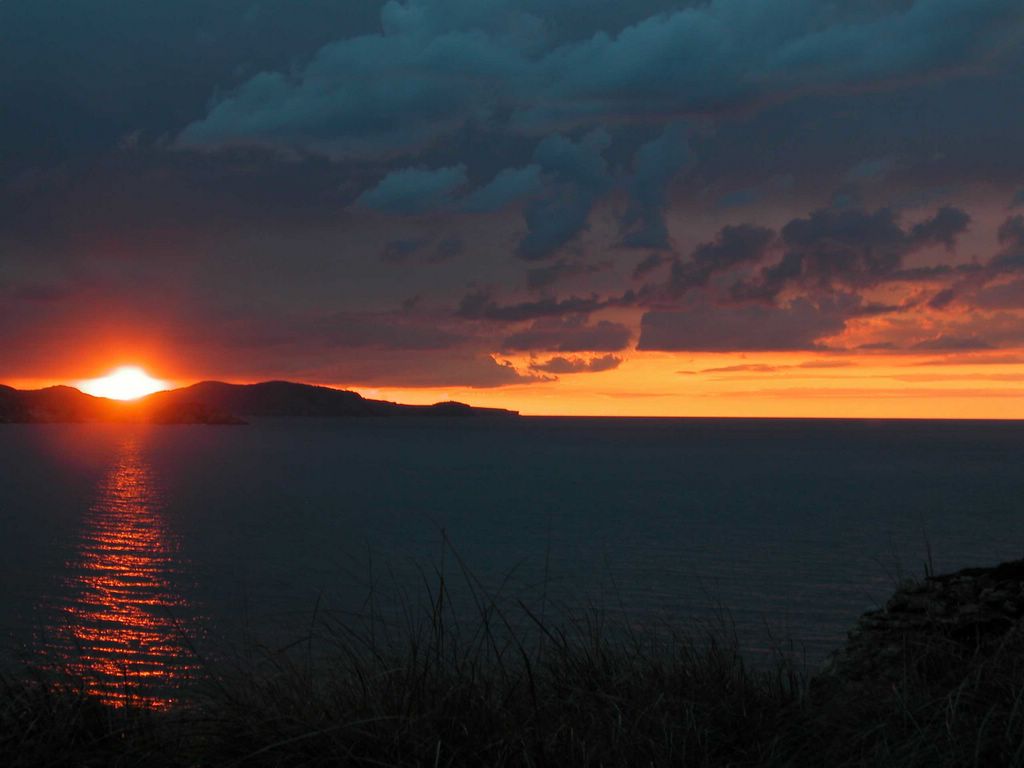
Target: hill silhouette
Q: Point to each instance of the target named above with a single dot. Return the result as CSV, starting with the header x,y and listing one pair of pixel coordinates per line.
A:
x,y
215,402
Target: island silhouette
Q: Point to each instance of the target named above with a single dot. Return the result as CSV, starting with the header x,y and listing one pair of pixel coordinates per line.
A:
x,y
215,402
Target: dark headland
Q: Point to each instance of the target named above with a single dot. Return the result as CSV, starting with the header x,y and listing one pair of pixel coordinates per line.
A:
x,y
214,402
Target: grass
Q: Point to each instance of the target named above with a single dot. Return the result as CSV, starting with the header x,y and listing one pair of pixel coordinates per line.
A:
x,y
512,689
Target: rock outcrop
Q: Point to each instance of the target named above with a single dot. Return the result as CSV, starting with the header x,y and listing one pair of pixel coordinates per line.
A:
x,y
929,629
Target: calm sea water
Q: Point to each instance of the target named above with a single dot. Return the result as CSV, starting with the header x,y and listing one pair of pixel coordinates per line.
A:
x,y
121,547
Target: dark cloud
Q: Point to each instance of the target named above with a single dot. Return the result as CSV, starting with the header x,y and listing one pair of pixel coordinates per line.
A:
x,y
648,264
544,277
172,195
849,248
1009,295
942,299
415,190
565,365
579,176
872,170
406,85
943,228
570,335
510,185
739,198
655,165
386,330
1011,232
480,306
985,285
416,250
401,251
399,89
447,248
751,327
424,369
734,246
220,178
730,54
87,78
755,193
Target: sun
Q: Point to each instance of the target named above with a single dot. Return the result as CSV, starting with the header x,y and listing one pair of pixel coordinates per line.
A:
x,y
128,382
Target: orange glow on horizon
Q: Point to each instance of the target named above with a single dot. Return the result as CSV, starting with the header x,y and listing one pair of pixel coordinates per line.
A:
x,y
981,384
126,383
760,384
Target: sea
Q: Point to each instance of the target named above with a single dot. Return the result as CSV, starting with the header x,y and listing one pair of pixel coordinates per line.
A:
x,y
130,553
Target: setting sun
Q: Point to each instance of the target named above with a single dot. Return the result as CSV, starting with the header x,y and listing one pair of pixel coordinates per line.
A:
x,y
126,383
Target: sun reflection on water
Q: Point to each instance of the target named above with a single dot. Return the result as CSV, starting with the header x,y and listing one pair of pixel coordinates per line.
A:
x,y
124,630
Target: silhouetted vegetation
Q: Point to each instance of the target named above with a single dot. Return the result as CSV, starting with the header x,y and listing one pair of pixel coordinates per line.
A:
x,y
512,689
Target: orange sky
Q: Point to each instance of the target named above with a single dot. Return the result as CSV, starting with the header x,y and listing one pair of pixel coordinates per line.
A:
x,y
978,385
772,385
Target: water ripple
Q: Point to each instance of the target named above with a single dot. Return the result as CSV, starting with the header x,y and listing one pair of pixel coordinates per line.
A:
x,y
122,627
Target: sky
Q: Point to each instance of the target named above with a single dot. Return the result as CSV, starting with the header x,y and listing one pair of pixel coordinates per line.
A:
x,y
717,207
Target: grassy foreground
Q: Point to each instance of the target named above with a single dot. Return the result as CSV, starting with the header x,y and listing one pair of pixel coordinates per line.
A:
x,y
513,691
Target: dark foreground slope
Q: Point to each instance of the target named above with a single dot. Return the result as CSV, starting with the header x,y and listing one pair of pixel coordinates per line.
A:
x,y
214,402
513,690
